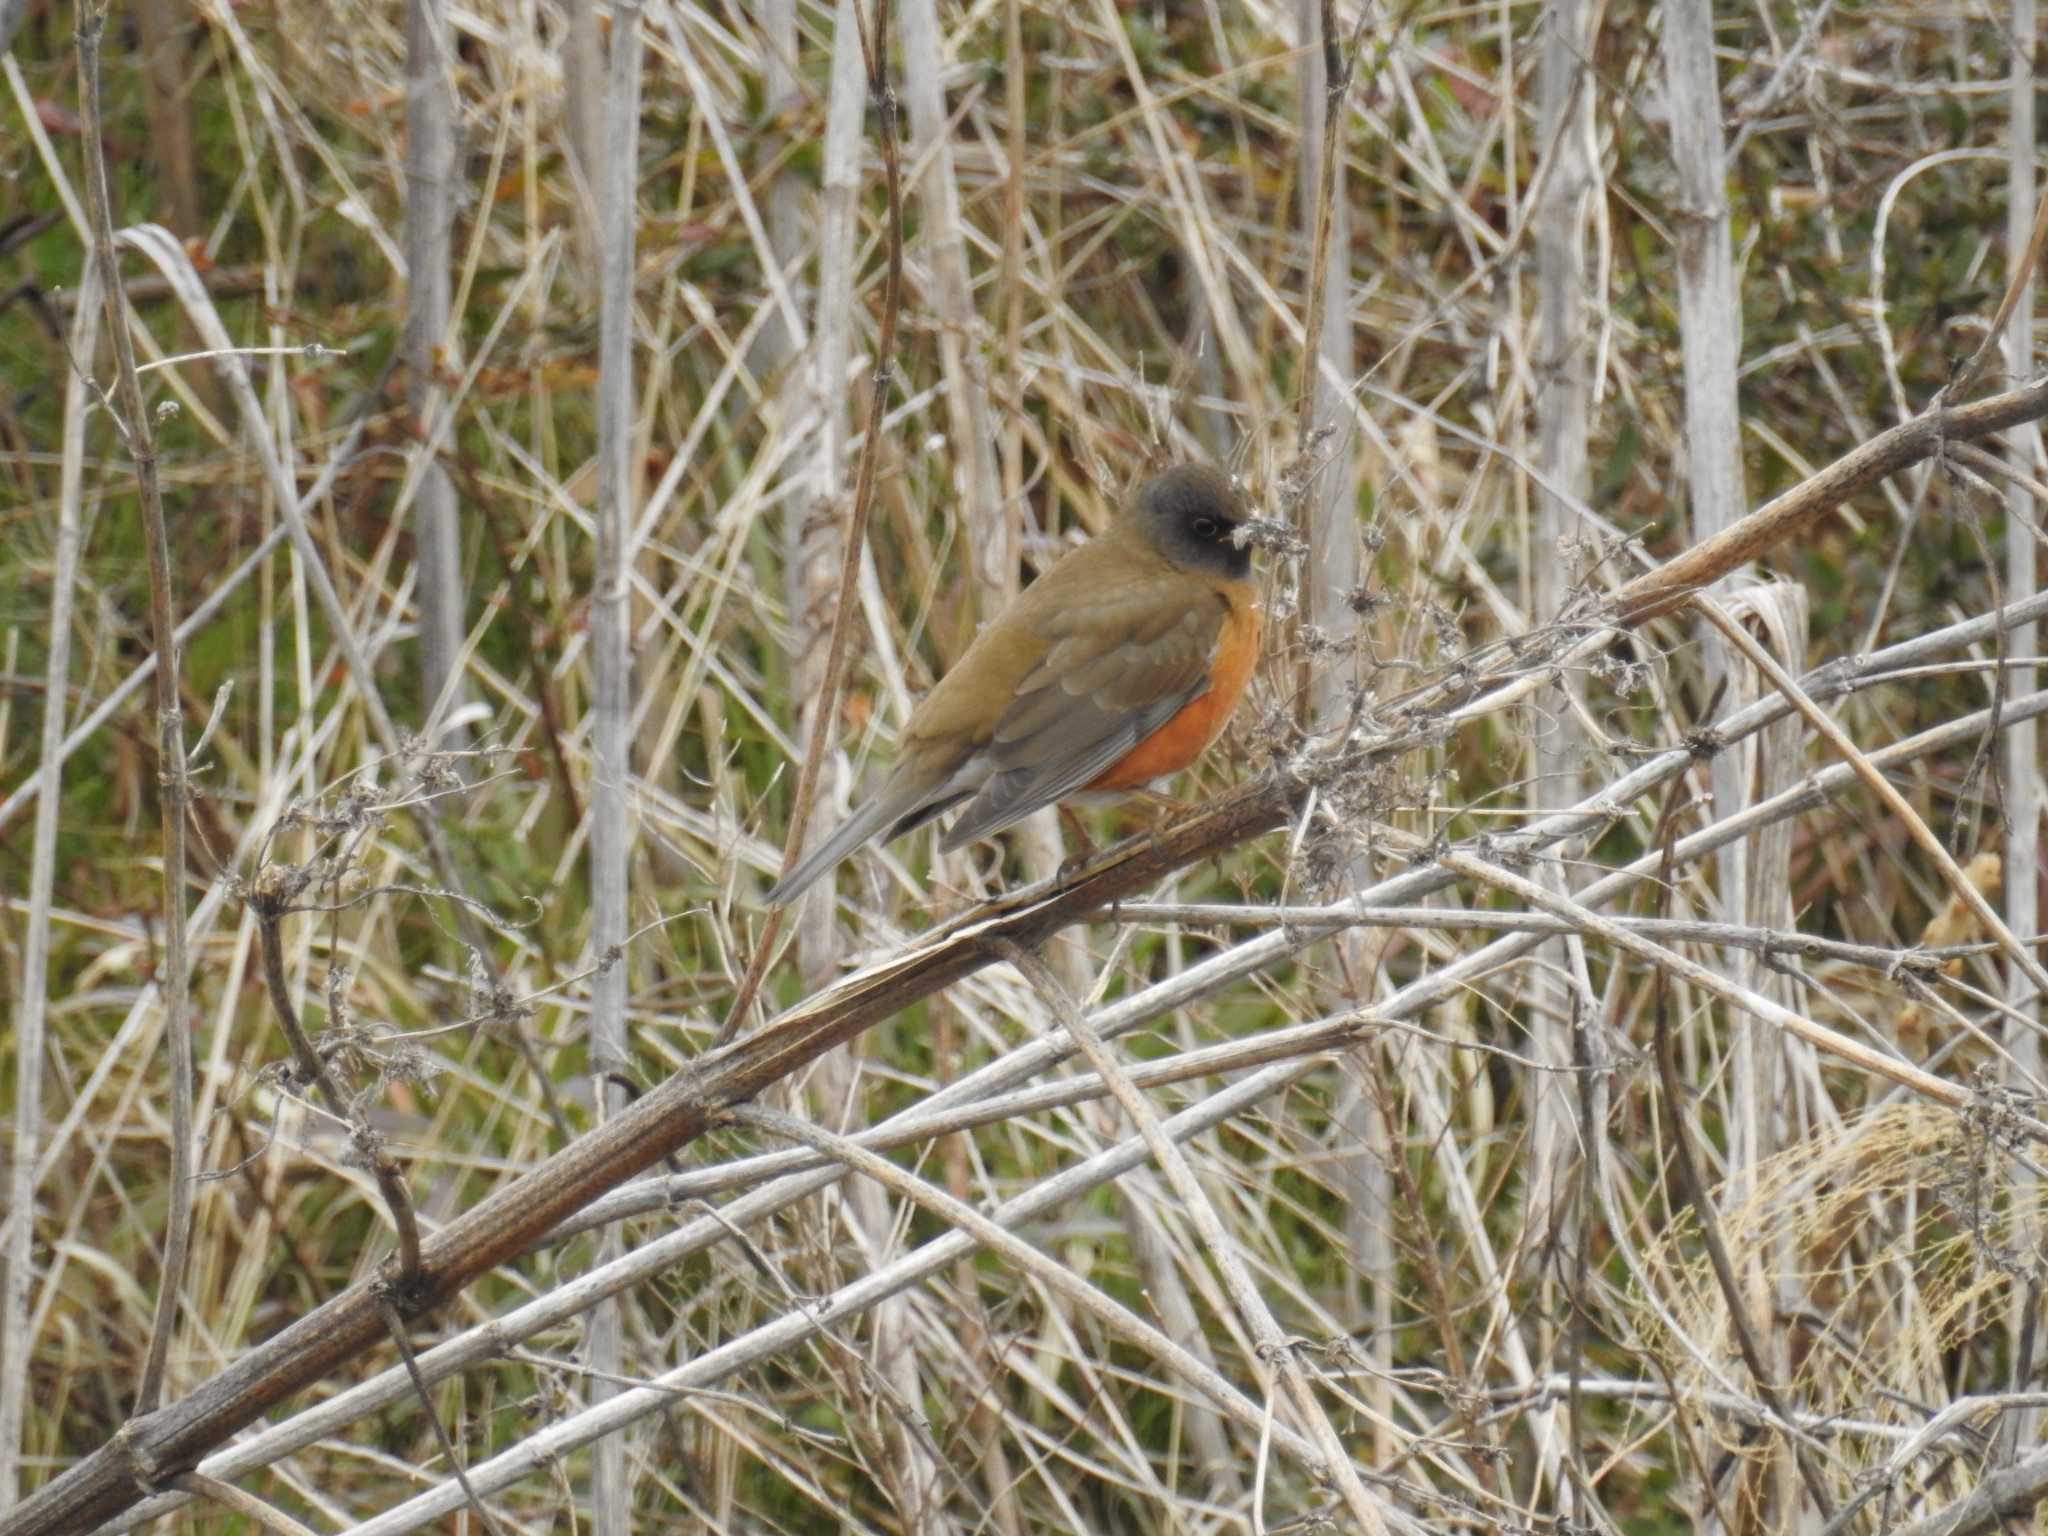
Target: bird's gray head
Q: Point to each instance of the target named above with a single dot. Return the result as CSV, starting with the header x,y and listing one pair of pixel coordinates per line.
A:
x,y
1189,514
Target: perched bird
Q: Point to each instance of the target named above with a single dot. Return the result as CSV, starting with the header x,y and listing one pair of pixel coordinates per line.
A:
x,y
1116,667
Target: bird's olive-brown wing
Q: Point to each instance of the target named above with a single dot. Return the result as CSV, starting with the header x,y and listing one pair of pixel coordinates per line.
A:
x,y
1115,670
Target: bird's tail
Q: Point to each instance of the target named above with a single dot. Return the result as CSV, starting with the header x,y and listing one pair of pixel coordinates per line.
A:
x,y
823,859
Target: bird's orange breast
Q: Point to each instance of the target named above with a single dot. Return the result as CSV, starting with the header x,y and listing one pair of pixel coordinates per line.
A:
x,y
1188,734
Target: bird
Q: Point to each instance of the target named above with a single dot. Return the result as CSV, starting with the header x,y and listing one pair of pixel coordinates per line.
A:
x,y
1119,665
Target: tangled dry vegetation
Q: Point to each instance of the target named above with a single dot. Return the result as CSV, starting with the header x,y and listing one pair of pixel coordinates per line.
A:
x,y
1573,1065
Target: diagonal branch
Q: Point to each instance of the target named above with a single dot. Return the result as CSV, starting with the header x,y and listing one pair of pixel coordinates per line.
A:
x,y
1793,513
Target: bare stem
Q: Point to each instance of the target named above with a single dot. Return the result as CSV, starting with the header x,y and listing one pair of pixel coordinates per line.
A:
x,y
132,420
394,1322
270,906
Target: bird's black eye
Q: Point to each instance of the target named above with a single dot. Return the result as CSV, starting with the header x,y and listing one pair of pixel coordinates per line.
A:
x,y
1206,527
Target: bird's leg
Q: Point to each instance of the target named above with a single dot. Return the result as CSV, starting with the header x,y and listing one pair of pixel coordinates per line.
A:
x,y
1077,834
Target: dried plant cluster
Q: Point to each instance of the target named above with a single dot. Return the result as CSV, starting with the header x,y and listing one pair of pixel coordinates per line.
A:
x,y
1571,1062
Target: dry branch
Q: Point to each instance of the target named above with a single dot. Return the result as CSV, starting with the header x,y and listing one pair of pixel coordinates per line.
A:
x,y
1792,514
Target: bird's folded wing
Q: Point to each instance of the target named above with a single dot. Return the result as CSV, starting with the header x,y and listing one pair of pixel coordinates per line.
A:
x,y
1103,687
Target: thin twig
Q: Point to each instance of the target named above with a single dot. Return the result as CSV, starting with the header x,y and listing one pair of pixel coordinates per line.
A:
x,y
269,900
396,1325
139,436
993,1232
2019,273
